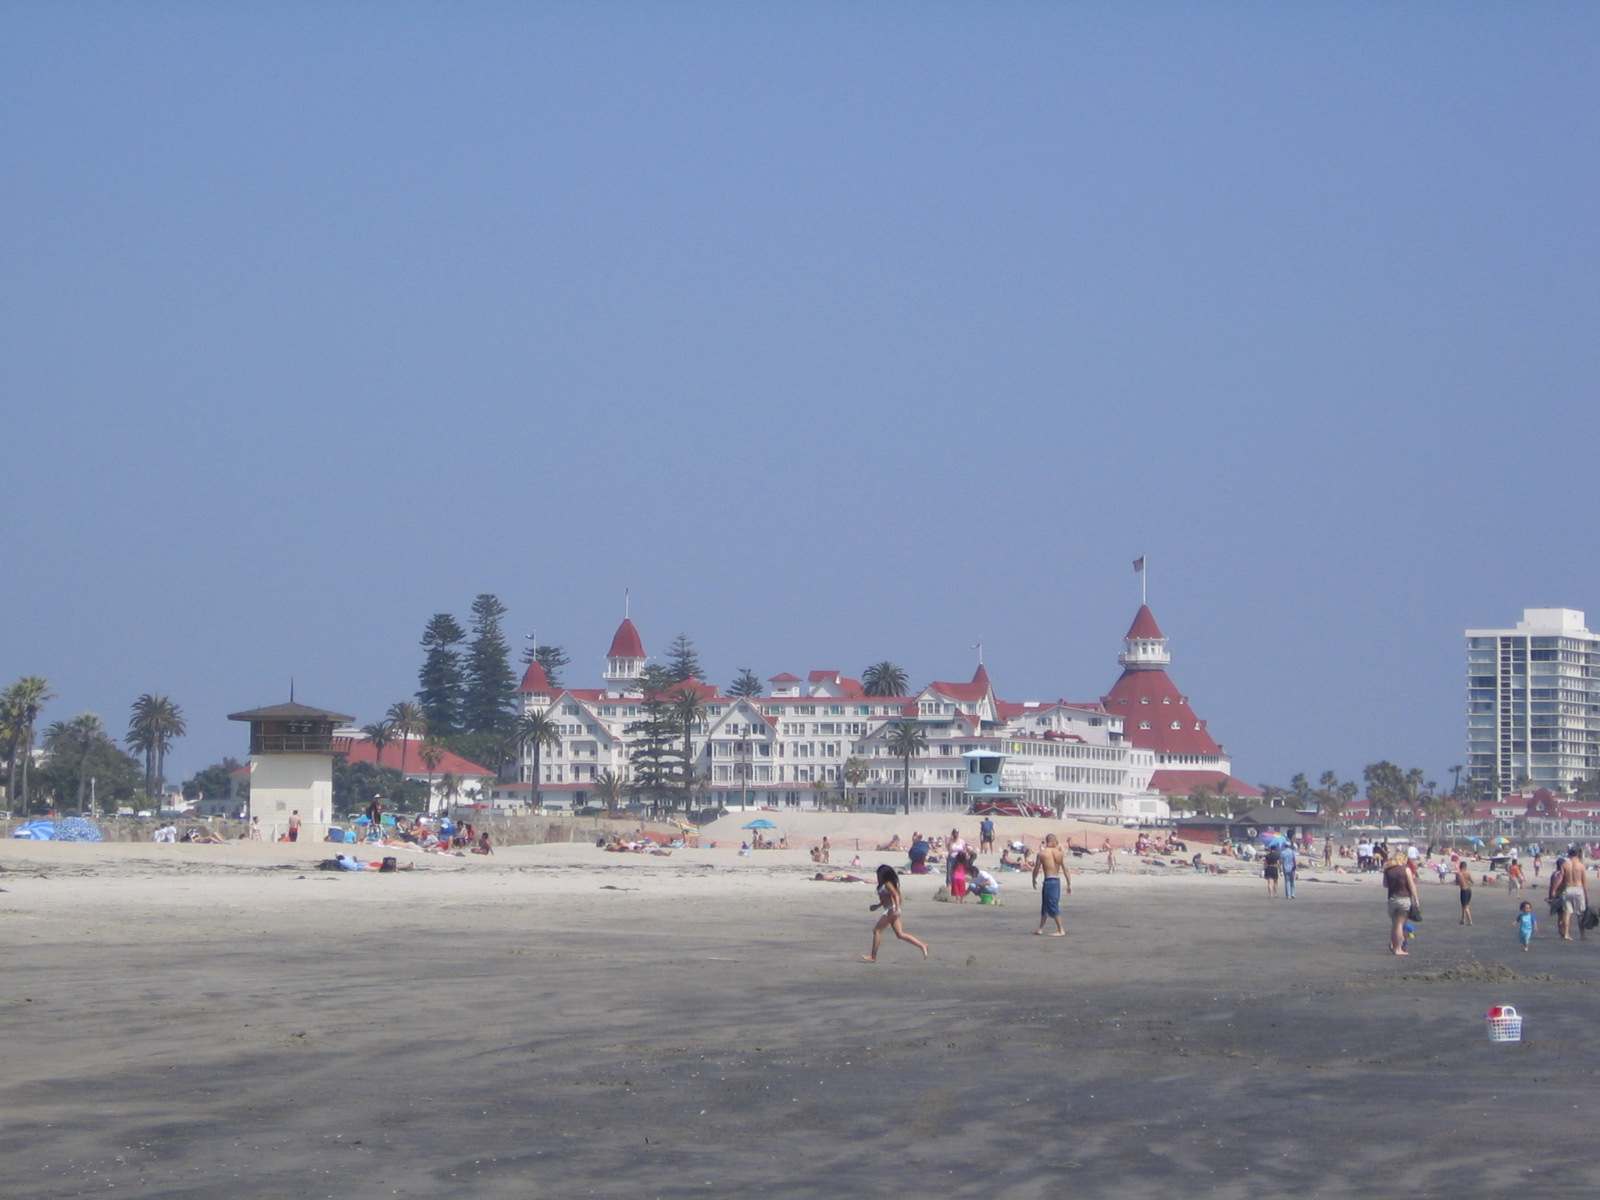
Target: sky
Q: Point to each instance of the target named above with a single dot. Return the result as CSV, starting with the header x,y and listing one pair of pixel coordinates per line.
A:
x,y
832,332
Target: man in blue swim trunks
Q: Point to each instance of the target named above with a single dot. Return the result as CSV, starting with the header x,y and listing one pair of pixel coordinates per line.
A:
x,y
1052,863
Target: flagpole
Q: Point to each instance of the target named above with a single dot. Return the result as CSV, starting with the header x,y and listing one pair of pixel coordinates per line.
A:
x,y
1144,582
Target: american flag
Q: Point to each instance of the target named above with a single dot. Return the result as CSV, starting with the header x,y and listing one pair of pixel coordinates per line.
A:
x,y
1138,563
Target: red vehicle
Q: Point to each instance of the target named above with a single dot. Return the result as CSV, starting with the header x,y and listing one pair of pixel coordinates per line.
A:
x,y
1009,808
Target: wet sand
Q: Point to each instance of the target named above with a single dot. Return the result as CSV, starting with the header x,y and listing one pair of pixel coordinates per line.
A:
x,y
180,1022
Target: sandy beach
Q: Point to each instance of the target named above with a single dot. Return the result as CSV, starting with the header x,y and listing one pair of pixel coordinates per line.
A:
x,y
228,1021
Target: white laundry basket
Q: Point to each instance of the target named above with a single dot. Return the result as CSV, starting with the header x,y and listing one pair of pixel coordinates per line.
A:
x,y
1505,1024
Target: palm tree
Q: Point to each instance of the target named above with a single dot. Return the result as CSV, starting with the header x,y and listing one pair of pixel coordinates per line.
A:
x,y
11,732
907,740
380,734
688,709
608,787
534,731
156,720
431,755
884,679
854,775
25,698
408,721
76,736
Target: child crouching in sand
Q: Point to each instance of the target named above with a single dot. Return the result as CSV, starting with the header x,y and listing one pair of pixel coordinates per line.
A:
x,y
1526,924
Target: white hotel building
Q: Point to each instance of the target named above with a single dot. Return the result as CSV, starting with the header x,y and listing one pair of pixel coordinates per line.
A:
x,y
788,749
1533,703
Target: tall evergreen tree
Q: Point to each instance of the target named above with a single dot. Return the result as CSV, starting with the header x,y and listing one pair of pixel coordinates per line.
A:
x,y
551,658
745,684
656,756
682,660
491,688
440,681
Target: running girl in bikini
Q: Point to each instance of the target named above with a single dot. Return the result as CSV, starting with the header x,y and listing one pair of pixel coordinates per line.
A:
x,y
889,902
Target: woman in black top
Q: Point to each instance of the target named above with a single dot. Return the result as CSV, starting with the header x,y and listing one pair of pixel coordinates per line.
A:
x,y
1272,862
1402,892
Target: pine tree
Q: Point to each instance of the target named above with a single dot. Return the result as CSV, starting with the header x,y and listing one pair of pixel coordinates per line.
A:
x,y
489,703
682,661
656,755
551,658
745,684
442,687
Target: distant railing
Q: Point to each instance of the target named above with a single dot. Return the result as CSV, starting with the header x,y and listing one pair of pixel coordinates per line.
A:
x,y
291,743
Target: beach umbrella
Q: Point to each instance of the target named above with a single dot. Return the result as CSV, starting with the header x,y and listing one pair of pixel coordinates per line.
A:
x,y
1476,841
1272,841
760,823
35,831
77,829
1501,842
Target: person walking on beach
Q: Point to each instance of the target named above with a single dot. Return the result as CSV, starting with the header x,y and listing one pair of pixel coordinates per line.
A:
x,y
1526,924
1052,861
1464,882
889,902
1401,887
1536,851
1111,857
1290,864
986,836
1570,885
1514,879
294,826
1270,867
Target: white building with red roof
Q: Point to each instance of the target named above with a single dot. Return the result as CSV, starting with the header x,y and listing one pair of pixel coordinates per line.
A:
x,y
1157,717
804,743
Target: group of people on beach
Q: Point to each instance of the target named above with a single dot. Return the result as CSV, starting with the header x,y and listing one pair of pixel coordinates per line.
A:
x,y
1049,865
1567,893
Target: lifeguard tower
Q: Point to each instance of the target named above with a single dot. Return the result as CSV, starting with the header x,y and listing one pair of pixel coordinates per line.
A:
x,y
292,748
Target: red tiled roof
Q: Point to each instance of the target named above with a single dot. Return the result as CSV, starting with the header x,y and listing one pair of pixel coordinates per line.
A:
x,y
1166,705
1144,624
1181,783
784,678
626,643
705,691
974,691
535,680
824,676
362,750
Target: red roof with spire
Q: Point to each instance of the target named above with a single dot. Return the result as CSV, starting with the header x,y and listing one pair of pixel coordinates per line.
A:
x,y
974,691
1144,624
626,644
1147,695
535,680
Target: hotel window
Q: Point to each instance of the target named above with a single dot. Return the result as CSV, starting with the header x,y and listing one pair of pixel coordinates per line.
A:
x,y
1144,724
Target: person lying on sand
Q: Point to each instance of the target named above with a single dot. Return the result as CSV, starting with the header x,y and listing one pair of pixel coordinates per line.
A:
x,y
835,877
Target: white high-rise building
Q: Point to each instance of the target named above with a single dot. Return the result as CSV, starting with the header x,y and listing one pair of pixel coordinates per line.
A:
x,y
1533,703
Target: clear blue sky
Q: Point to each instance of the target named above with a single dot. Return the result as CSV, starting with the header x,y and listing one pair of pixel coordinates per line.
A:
x,y
838,332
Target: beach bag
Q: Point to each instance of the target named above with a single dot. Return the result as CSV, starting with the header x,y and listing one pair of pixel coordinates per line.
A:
x,y
1416,912
1591,918
1555,906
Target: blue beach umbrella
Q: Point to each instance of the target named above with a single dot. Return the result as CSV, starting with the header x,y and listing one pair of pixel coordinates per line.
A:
x,y
35,831
77,829
760,823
